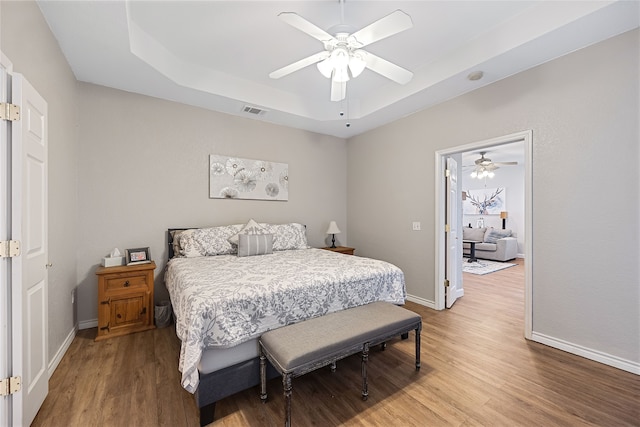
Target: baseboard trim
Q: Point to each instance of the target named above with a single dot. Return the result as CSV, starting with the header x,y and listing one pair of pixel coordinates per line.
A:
x,y
88,324
587,353
421,301
53,364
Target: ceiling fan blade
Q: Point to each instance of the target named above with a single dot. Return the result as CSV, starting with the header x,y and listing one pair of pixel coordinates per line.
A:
x,y
288,69
338,90
387,69
505,163
305,26
391,24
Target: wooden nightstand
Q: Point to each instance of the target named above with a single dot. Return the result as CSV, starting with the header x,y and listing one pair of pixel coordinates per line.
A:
x,y
125,299
341,249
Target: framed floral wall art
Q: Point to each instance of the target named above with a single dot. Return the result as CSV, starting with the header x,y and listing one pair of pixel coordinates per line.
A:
x,y
486,201
236,178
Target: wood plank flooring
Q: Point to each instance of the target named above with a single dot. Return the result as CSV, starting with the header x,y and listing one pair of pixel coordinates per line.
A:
x,y
477,369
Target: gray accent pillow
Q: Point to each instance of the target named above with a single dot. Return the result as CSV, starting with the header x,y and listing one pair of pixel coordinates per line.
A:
x,y
493,235
473,233
255,244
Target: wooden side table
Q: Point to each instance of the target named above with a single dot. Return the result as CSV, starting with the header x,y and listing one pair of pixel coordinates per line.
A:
x,y
341,249
125,299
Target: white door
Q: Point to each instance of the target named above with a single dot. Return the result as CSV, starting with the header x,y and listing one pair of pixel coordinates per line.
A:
x,y
452,257
29,270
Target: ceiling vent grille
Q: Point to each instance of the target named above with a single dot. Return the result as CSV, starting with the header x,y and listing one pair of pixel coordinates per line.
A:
x,y
254,110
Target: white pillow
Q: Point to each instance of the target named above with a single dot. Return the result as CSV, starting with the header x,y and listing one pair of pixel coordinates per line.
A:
x,y
255,244
207,241
251,227
288,236
476,234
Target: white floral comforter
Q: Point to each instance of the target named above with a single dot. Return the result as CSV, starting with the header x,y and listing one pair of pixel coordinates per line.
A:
x,y
222,301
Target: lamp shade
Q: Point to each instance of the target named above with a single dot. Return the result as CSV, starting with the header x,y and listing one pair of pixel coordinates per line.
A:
x,y
333,228
325,67
504,215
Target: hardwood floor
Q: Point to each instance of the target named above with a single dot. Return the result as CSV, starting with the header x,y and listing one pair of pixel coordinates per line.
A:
x,y
477,369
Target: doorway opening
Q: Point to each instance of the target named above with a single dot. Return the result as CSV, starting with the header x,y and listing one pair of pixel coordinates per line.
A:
x,y
525,138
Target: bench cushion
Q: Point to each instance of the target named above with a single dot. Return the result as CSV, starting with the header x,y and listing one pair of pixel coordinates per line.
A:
x,y
343,332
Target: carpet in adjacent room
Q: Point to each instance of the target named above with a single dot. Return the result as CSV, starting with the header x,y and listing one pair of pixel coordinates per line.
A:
x,y
483,266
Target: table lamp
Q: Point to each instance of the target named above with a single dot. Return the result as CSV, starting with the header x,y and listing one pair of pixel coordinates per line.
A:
x,y
504,215
333,229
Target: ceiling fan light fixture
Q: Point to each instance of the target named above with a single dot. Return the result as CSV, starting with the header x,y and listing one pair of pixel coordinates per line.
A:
x,y
356,64
325,67
340,74
340,57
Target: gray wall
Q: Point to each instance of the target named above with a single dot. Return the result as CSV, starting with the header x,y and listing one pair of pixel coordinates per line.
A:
x,y
27,41
144,167
583,110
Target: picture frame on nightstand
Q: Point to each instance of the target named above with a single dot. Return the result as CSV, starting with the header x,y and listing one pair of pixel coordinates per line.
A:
x,y
137,256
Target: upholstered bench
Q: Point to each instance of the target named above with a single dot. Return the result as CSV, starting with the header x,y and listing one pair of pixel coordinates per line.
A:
x,y
302,347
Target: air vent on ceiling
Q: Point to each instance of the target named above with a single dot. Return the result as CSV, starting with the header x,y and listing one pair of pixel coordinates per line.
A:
x,y
254,110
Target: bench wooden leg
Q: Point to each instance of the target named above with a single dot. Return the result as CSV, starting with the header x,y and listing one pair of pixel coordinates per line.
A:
x,y
417,349
365,358
286,385
263,377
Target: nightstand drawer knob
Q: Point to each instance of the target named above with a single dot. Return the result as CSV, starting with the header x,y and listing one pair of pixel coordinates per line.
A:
x,y
126,284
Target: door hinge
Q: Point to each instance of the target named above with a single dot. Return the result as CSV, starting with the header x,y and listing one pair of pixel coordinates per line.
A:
x,y
447,228
447,173
446,283
9,248
10,385
9,111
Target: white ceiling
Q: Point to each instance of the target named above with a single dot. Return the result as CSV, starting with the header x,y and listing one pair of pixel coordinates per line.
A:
x,y
218,54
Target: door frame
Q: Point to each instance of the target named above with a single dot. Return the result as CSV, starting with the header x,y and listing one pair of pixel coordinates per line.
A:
x,y
440,193
5,263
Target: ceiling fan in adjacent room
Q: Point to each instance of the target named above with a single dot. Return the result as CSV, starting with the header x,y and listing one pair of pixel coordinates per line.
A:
x,y
343,57
484,167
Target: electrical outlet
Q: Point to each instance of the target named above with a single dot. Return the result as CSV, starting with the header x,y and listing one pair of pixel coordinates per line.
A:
x,y
416,226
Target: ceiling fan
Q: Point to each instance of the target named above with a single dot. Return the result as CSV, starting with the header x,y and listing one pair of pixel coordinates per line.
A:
x,y
484,167
343,57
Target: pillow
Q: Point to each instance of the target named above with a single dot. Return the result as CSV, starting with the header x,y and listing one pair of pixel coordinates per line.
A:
x,y
251,227
207,241
288,236
255,244
473,233
493,235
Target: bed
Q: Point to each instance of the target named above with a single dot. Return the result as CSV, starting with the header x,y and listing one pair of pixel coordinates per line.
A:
x,y
230,284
